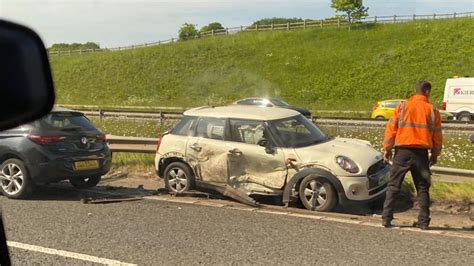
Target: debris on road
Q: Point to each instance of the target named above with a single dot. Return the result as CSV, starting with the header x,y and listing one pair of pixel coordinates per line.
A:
x,y
114,175
192,193
109,200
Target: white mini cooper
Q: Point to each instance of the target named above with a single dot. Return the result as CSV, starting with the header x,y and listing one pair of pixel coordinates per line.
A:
x,y
250,150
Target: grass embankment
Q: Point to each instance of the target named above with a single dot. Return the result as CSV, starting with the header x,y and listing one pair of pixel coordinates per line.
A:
x,y
319,68
442,191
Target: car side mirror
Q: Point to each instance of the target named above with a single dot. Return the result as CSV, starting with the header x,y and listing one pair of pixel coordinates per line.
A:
x,y
263,142
267,145
26,85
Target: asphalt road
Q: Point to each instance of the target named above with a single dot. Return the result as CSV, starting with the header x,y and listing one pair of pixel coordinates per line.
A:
x,y
157,232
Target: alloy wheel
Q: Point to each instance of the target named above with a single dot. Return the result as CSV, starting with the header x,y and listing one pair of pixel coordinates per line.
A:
x,y
11,179
315,194
177,179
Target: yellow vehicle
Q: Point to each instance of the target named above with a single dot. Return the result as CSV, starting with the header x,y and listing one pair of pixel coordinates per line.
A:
x,y
385,110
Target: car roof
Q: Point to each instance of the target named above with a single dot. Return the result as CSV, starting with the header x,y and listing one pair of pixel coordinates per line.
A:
x,y
251,112
393,100
256,98
57,109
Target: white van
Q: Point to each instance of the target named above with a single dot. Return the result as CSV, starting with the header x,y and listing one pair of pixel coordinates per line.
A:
x,y
459,98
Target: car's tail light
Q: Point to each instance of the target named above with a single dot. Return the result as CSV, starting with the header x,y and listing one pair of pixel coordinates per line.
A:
x,y
376,106
102,137
160,138
43,140
158,143
443,105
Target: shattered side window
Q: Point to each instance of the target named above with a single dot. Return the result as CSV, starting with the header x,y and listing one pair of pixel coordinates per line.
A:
x,y
246,131
211,128
183,128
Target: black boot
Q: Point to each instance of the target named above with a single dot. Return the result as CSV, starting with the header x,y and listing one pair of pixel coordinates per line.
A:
x,y
422,225
387,223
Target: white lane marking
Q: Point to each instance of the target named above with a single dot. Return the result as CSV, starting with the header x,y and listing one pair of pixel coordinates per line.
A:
x,y
66,254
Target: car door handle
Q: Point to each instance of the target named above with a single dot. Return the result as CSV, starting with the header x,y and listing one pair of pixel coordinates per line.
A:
x,y
196,147
235,151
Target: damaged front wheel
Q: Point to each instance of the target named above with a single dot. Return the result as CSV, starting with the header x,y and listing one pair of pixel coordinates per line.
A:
x,y
317,194
178,177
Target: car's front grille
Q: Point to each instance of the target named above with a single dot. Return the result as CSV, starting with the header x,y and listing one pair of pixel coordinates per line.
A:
x,y
377,190
374,173
376,168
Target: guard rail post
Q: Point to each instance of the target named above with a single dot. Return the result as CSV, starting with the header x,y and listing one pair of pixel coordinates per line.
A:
x,y
101,115
161,119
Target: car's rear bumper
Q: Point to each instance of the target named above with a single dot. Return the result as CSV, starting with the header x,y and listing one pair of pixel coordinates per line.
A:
x,y
57,168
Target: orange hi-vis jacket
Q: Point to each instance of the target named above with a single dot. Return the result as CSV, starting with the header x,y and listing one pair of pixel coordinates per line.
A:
x,y
415,124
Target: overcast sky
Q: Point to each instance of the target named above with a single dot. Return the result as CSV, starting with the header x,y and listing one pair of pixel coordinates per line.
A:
x,y
124,22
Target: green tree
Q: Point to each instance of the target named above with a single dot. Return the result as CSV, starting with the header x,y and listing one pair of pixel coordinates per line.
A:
x,y
74,46
59,46
353,10
269,21
90,45
212,26
188,31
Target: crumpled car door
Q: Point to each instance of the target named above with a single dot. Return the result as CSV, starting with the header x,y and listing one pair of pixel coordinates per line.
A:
x,y
250,163
207,150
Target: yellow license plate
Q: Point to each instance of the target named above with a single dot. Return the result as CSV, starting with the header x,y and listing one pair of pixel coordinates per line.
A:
x,y
86,165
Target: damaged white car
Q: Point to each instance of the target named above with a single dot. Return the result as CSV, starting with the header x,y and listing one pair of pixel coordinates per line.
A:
x,y
248,150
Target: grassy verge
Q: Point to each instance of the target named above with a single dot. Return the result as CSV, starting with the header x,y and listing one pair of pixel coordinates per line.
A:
x,y
328,69
132,128
134,161
442,191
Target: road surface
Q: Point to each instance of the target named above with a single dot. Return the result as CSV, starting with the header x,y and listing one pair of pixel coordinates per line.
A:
x,y
161,232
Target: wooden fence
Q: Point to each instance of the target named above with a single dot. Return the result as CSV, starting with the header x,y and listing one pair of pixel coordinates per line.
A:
x,y
333,23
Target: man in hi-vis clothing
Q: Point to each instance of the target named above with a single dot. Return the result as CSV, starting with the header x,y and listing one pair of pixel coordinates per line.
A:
x,y
414,129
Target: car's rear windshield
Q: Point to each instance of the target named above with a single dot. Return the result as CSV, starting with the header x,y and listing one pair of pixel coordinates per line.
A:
x,y
66,121
297,131
279,102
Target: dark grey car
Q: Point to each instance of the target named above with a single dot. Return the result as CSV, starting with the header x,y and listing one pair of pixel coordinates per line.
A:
x,y
62,145
272,102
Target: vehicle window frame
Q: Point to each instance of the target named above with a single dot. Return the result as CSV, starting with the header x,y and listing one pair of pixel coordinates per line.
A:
x,y
280,143
280,102
191,128
42,124
245,102
390,103
263,122
225,130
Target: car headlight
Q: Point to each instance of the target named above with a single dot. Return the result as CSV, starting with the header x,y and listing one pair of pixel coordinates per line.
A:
x,y
347,164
